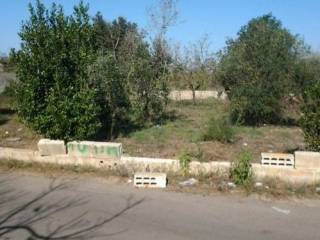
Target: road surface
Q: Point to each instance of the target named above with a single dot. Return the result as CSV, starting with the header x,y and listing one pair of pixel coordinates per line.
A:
x,y
91,208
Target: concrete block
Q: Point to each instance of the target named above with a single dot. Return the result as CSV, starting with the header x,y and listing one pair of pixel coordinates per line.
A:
x,y
49,147
94,149
150,180
277,159
308,160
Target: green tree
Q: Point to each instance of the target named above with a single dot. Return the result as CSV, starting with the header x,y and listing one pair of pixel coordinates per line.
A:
x,y
111,36
53,95
258,68
143,67
112,93
310,121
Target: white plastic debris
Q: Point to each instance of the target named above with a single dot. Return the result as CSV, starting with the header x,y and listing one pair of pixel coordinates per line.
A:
x,y
231,185
189,182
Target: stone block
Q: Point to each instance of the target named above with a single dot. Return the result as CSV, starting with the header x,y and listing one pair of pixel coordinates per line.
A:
x,y
308,160
48,147
94,149
150,180
277,159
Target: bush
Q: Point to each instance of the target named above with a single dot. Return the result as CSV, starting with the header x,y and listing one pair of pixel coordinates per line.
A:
x,y
310,121
254,105
219,129
69,117
184,159
241,171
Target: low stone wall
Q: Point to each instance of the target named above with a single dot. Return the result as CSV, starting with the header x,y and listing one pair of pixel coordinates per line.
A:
x,y
187,95
135,164
292,175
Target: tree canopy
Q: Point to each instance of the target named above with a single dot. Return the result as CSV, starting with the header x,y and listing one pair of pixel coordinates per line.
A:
x,y
79,76
258,68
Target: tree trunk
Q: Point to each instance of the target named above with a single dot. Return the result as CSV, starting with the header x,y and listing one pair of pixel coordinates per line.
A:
x,y
193,96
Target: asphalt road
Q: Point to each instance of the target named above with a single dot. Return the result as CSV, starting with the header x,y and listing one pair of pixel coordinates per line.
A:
x,y
91,208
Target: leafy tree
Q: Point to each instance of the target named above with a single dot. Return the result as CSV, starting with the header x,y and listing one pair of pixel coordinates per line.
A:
x,y
143,68
53,95
112,93
307,72
310,121
258,69
110,36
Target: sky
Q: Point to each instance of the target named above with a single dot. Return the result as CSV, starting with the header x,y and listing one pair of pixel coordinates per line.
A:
x,y
219,19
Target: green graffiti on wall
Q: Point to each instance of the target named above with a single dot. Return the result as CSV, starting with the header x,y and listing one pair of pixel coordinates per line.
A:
x,y
112,151
82,149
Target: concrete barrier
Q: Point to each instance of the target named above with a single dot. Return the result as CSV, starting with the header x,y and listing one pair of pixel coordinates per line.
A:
x,y
209,167
141,164
307,160
94,149
309,174
291,175
49,147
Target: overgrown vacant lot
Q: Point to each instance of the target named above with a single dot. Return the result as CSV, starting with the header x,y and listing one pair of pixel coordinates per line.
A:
x,y
181,133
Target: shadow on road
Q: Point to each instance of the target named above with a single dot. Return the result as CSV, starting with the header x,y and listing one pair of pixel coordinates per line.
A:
x,y
19,212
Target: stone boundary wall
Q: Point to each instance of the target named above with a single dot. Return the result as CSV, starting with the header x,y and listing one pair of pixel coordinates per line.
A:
x,y
136,164
180,95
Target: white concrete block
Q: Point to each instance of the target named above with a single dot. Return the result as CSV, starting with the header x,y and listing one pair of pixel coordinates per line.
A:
x,y
150,180
277,159
48,147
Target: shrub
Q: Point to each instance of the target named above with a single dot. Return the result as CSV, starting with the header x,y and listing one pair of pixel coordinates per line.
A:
x,y
241,171
310,121
184,159
219,129
254,105
69,117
